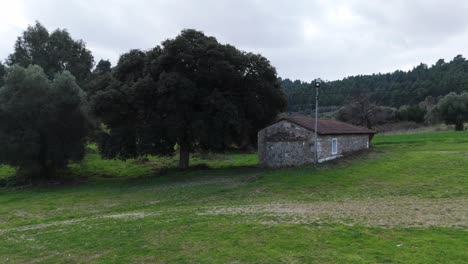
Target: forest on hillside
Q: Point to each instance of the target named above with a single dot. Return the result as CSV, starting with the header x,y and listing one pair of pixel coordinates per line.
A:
x,y
390,89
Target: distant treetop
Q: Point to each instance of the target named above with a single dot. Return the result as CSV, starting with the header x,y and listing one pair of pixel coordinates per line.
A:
x,y
55,52
391,89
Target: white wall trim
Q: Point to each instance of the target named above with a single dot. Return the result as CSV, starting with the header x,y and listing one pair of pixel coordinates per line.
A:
x,y
330,158
334,141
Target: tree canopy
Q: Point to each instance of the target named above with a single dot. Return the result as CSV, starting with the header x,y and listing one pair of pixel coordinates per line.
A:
x,y
99,79
43,123
55,52
391,89
453,109
363,112
102,67
2,73
413,113
192,92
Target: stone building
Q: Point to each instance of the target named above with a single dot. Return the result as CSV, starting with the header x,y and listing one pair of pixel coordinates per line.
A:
x,y
290,141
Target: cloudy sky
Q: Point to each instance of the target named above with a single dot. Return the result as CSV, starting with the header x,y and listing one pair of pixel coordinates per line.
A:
x,y
303,39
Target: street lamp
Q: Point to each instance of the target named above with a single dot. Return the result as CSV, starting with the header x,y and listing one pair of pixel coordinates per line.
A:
x,y
317,83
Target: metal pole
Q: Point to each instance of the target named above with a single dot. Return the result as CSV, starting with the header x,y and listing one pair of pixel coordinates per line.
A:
x,y
316,125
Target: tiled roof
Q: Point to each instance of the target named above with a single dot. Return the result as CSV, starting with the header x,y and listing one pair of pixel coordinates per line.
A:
x,y
328,126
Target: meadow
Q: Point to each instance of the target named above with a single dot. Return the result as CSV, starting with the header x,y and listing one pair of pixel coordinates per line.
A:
x,y
403,201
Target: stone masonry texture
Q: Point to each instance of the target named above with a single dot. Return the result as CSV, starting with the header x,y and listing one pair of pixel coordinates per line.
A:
x,y
287,144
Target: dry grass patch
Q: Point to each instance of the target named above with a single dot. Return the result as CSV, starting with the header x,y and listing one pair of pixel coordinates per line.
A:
x,y
132,215
385,212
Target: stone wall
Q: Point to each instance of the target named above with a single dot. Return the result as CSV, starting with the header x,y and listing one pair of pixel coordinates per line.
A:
x,y
284,144
346,144
287,144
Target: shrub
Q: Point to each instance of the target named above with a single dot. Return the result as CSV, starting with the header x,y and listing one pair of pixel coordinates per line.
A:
x,y
453,109
412,113
43,124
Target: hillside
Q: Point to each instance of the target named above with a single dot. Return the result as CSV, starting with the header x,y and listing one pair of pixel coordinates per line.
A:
x,y
390,89
405,201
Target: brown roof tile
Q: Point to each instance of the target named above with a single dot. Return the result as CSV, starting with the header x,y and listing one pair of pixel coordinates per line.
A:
x,y
328,126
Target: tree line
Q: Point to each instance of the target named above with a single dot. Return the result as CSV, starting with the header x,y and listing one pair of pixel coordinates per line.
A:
x,y
369,100
391,89
191,93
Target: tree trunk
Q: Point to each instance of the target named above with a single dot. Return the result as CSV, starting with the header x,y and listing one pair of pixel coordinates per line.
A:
x,y
246,144
368,123
184,157
459,126
43,168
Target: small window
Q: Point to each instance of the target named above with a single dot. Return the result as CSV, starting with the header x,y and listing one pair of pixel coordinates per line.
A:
x,y
334,146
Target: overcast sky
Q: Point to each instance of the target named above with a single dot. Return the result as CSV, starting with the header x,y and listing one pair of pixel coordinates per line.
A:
x,y
303,39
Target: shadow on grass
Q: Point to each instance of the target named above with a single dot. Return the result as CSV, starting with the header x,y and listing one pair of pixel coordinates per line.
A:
x,y
201,171
196,172
250,172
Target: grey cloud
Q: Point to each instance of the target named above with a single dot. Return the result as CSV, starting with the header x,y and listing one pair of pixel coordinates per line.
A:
x,y
303,39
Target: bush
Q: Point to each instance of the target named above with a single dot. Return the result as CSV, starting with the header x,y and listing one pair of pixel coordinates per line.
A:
x,y
412,113
43,124
453,109
361,111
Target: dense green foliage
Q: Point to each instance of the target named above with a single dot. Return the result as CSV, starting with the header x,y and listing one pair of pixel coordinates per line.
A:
x,y
102,67
192,91
453,109
412,113
43,124
125,214
390,89
2,73
55,52
99,80
362,112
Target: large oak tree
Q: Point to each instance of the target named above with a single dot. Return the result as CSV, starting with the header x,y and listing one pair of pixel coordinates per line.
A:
x,y
193,92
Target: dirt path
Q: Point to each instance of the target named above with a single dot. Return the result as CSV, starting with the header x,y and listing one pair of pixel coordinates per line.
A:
x,y
78,220
404,212
384,212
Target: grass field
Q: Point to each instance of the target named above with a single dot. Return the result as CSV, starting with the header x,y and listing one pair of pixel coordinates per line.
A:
x,y
405,201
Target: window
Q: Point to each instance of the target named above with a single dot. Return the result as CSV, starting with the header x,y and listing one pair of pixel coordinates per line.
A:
x,y
334,146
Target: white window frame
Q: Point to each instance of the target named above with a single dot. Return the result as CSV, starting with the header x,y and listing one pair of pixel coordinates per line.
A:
x,y
335,145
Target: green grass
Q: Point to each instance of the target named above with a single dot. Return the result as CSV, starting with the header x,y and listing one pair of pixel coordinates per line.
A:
x,y
6,171
129,212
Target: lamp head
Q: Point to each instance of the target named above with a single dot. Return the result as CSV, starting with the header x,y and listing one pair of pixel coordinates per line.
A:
x,y
318,82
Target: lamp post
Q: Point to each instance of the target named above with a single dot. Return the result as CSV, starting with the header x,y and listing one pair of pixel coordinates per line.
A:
x,y
317,82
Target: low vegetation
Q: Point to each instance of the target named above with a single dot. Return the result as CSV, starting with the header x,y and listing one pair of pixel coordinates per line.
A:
x,y
404,201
